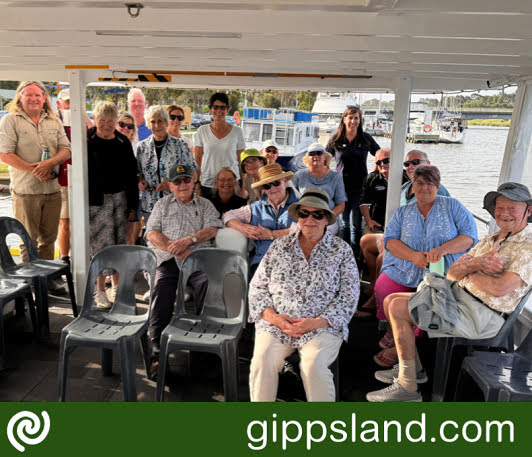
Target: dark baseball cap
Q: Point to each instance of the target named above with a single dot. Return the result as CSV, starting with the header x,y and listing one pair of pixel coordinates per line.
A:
x,y
179,171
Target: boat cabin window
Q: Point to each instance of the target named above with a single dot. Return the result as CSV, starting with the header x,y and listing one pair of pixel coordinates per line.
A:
x,y
267,130
284,135
251,132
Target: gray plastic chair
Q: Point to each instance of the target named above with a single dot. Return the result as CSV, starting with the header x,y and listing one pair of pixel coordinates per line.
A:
x,y
14,289
501,377
121,328
504,340
211,331
36,270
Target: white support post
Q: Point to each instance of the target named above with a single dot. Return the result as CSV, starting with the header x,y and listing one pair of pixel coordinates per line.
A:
x,y
519,136
79,217
518,142
397,148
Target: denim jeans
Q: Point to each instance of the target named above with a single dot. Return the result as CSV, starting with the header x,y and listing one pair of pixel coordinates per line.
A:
x,y
351,220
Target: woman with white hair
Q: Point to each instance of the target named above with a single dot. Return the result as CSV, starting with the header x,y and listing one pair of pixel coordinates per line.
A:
x,y
113,193
155,155
318,174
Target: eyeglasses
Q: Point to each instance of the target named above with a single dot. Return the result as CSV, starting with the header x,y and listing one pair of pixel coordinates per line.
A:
x,y
382,162
125,125
251,160
303,214
315,153
178,117
219,107
272,151
269,185
414,162
224,180
186,180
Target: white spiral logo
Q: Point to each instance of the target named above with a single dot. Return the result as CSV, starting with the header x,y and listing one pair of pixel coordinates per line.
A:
x,y
29,425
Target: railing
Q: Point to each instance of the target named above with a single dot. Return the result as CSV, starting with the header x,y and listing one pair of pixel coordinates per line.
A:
x,y
481,219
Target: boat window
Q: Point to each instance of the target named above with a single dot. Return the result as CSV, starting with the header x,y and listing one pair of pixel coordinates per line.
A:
x,y
267,130
308,131
284,135
251,131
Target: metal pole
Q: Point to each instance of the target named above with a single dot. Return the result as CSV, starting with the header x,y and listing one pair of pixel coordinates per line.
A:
x,y
79,218
400,123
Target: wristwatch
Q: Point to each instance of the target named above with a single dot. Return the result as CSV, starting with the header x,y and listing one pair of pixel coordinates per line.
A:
x,y
271,235
194,239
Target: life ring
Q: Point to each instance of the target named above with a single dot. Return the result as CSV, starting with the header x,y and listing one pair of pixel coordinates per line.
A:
x,y
427,128
236,117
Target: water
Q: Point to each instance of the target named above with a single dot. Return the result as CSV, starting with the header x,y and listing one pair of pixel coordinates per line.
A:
x,y
468,170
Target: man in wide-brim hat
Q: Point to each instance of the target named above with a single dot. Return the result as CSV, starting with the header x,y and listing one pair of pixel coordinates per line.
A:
x,y
268,218
493,278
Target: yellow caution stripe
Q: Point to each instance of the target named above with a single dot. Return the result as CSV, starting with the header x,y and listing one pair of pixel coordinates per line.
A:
x,y
143,78
15,250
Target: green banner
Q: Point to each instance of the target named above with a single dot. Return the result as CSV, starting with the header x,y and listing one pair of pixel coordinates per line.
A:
x,y
101,429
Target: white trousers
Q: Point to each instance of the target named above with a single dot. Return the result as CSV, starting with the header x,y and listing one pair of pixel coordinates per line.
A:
x,y
316,357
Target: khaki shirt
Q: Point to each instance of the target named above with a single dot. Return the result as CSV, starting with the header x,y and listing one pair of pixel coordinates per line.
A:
x,y
19,135
516,253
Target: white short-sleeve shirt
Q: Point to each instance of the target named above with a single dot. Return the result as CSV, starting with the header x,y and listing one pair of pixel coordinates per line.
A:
x,y
218,153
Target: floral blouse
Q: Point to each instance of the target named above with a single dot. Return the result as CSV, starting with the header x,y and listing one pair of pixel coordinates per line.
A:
x,y
516,253
326,285
175,151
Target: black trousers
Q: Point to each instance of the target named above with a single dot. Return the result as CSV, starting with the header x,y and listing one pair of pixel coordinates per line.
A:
x,y
164,294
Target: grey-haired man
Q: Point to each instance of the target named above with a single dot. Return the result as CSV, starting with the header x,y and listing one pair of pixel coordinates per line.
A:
x,y
178,224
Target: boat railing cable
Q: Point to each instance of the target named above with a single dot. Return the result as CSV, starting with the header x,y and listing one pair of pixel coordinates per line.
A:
x,y
481,219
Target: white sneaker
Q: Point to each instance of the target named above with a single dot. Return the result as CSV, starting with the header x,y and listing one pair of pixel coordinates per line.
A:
x,y
113,294
101,301
387,376
394,393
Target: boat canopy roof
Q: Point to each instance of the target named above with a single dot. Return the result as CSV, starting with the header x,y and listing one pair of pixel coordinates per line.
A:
x,y
282,44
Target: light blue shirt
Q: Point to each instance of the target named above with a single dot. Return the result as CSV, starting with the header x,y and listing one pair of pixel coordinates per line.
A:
x,y
447,219
143,131
332,183
406,188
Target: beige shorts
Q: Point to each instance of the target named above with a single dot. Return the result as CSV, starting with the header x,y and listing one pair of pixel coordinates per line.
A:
x,y
65,214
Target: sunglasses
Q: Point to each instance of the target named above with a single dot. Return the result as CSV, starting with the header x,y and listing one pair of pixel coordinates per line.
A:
x,y
315,153
251,160
178,117
269,185
414,162
125,125
272,151
382,162
303,214
186,180
219,107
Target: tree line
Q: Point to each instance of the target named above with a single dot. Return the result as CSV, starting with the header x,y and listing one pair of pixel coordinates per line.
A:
x,y
196,100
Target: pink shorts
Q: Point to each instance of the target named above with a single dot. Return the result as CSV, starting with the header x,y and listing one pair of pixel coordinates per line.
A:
x,y
385,286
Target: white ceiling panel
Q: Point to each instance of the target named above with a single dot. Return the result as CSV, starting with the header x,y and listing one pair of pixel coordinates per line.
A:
x,y
447,45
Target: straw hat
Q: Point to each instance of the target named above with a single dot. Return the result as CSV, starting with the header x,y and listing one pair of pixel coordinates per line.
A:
x,y
314,197
271,173
512,190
